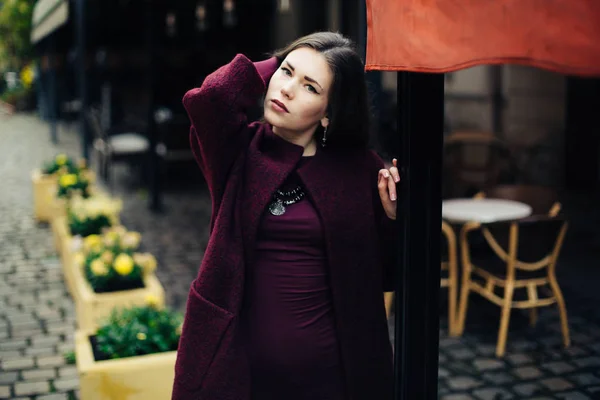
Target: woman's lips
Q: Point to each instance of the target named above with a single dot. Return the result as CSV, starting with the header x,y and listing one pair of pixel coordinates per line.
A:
x,y
279,106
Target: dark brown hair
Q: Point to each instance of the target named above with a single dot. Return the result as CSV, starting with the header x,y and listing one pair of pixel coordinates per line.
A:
x,y
348,109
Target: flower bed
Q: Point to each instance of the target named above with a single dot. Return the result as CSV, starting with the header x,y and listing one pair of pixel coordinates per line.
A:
x,y
131,356
92,307
110,263
107,273
86,217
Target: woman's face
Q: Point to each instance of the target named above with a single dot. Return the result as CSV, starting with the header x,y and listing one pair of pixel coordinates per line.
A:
x,y
297,97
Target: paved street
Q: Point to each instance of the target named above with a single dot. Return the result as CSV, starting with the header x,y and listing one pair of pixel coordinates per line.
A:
x,y
37,317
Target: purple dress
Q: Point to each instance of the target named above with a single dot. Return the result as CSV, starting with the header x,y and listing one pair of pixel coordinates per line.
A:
x,y
292,344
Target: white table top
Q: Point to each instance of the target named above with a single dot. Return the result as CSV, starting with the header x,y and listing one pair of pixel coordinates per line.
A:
x,y
484,210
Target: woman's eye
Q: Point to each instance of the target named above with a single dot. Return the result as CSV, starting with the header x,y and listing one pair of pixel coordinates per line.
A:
x,y
286,71
312,89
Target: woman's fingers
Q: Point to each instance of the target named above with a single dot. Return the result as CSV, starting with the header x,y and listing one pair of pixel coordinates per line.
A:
x,y
382,184
387,192
386,186
394,171
392,188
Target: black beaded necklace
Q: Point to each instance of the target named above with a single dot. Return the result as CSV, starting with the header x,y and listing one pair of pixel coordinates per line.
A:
x,y
282,199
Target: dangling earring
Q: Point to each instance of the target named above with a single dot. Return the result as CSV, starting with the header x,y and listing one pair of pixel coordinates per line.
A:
x,y
324,140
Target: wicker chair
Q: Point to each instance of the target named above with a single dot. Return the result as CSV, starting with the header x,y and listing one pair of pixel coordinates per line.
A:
x,y
525,255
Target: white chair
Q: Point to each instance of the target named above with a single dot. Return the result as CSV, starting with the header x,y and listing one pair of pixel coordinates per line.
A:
x,y
116,144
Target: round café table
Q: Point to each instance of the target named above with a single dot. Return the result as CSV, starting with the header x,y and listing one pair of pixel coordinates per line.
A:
x,y
484,210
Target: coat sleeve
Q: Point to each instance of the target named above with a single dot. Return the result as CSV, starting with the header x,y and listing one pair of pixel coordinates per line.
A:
x,y
218,113
387,232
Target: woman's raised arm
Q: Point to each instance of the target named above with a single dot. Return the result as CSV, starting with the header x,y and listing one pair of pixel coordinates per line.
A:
x,y
218,112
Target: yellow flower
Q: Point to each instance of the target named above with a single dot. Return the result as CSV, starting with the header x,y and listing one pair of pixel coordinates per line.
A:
x,y
146,261
82,164
107,257
98,267
68,180
27,73
92,242
110,238
97,206
131,240
119,230
61,159
123,264
152,300
141,336
79,259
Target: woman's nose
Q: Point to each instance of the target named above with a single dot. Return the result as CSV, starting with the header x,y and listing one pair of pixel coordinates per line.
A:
x,y
287,90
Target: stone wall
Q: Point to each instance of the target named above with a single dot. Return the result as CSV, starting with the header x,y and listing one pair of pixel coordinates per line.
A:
x,y
534,121
533,116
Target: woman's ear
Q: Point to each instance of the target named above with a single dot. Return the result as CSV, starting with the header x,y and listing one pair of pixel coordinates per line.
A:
x,y
325,122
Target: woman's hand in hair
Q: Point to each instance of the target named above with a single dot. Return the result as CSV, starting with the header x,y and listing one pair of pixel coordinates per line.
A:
x,y
386,184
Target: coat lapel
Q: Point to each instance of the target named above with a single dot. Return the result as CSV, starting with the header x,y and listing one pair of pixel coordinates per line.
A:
x,y
270,160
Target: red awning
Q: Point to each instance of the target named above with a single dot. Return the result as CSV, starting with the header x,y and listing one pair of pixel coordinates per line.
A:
x,y
447,35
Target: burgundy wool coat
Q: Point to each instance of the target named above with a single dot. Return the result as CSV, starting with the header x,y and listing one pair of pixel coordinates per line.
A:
x,y
243,164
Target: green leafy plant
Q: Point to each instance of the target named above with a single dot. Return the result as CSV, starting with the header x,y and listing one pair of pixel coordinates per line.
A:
x,y
72,176
63,164
70,184
138,331
89,216
87,225
16,94
70,357
15,30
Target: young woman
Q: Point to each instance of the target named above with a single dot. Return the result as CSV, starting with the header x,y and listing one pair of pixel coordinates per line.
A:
x,y
288,300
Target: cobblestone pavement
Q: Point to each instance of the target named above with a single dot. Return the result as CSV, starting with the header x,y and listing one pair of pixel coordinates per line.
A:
x,y
37,318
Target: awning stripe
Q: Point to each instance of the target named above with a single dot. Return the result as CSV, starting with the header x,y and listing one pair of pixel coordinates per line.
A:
x,y
48,15
447,35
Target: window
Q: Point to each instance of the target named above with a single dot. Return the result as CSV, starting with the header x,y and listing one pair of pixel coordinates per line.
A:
x,y
229,15
201,20
171,24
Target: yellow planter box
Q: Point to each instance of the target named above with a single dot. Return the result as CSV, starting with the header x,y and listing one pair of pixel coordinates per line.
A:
x,y
44,195
60,231
64,246
91,307
46,205
148,377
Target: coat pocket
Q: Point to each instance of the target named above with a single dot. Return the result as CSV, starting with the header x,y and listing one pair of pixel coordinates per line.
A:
x,y
203,330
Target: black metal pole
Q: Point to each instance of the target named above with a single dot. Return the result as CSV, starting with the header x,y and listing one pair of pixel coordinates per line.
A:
x,y
80,40
420,125
373,78
497,98
53,103
155,159
362,28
